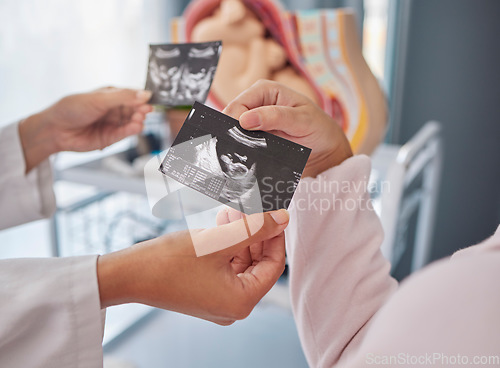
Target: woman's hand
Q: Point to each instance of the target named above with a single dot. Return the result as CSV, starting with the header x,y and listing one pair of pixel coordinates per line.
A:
x,y
221,287
272,107
83,122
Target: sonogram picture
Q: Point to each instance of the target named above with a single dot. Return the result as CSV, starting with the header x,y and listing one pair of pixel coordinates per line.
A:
x,y
251,171
180,74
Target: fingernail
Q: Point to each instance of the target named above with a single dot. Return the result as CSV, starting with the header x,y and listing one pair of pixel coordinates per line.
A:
x,y
143,95
250,121
280,217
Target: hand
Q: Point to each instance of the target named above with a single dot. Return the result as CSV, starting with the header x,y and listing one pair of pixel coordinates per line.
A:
x,y
83,122
272,107
220,287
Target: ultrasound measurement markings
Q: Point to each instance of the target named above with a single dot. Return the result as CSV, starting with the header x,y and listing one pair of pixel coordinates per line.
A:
x,y
178,169
204,182
199,177
212,190
216,184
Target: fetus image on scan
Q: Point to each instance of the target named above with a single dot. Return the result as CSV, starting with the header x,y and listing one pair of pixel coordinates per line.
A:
x,y
251,171
234,157
180,74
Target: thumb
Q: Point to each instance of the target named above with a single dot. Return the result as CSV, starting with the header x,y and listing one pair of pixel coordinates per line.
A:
x,y
114,97
230,238
281,118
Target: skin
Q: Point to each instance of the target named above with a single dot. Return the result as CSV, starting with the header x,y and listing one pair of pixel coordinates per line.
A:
x,y
226,283
83,122
273,107
247,55
221,287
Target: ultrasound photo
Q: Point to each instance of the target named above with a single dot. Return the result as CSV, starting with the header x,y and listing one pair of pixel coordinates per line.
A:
x,y
180,74
251,171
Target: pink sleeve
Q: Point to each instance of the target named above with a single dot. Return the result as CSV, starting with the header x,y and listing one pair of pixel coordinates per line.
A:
x,y
339,278
446,315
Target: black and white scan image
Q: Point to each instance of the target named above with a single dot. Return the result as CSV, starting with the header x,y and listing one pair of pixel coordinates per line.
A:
x,y
251,171
180,74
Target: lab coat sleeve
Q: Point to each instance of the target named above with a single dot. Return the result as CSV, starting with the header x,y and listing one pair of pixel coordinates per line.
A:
x,y
339,278
50,313
23,198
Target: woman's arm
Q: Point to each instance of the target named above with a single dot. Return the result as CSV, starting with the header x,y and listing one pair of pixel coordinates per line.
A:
x,y
338,276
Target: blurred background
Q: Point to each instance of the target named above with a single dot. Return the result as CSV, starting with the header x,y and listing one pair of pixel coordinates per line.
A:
x,y
436,60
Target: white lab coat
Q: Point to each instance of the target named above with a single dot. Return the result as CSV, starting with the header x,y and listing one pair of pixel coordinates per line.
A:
x,y
49,307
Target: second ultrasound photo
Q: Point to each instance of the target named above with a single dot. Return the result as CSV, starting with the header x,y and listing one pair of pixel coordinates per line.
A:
x,y
180,74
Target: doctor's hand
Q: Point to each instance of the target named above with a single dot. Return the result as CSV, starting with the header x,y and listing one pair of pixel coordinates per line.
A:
x,y
83,122
242,260
272,107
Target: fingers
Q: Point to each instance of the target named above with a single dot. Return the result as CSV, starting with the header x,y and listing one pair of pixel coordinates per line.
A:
x,y
267,271
271,106
122,122
144,109
293,121
227,215
264,93
114,97
222,217
132,114
139,114
114,133
242,260
231,238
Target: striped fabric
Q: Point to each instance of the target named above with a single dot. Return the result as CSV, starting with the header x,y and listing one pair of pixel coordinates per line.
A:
x,y
314,41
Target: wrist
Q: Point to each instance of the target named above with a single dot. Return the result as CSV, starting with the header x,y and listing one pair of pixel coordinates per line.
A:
x,y
37,140
114,280
128,276
328,160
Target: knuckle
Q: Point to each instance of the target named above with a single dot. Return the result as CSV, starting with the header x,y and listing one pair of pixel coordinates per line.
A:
x,y
261,82
241,311
229,109
265,83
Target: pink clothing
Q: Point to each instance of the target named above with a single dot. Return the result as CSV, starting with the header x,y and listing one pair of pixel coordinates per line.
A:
x,y
347,307
345,303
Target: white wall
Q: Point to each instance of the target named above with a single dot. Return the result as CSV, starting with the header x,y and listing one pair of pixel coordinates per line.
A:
x,y
50,48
